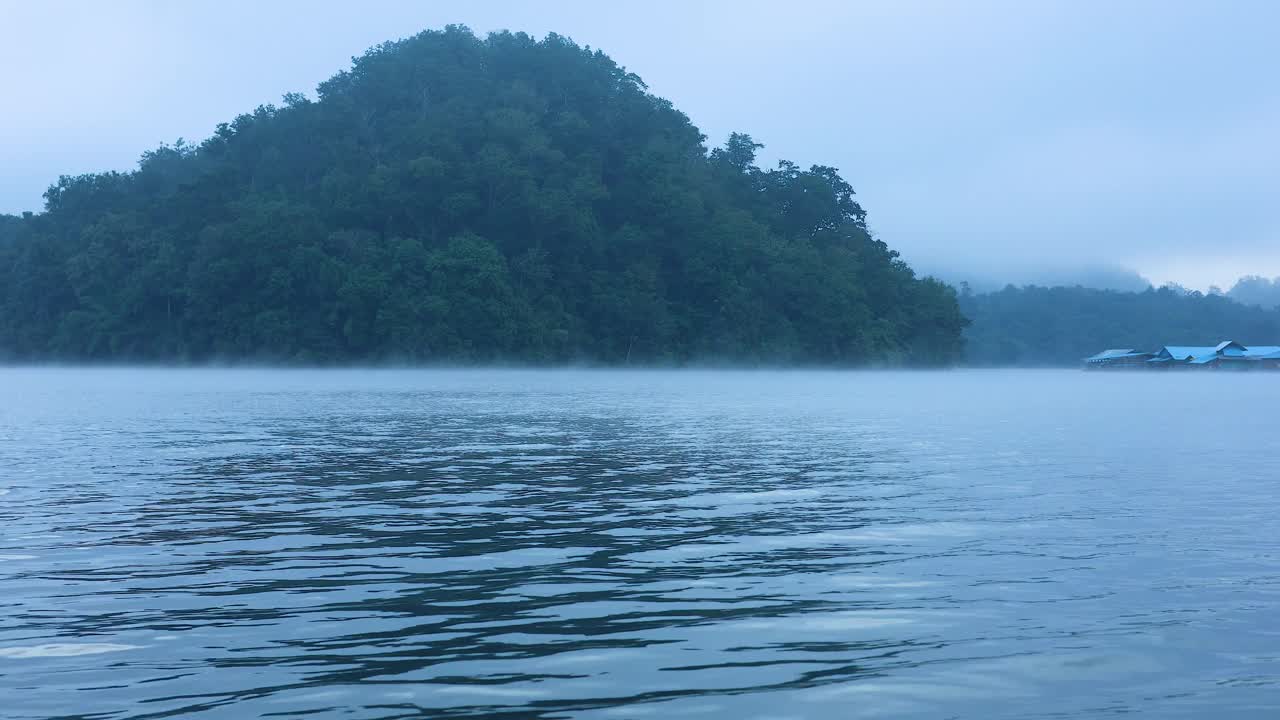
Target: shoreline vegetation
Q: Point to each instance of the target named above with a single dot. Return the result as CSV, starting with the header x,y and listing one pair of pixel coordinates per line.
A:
x,y
1061,326
453,199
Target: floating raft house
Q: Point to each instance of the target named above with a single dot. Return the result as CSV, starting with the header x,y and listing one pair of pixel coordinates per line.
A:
x,y
1226,355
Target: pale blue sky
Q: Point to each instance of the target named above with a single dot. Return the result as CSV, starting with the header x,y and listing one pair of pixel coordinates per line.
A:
x,y
982,134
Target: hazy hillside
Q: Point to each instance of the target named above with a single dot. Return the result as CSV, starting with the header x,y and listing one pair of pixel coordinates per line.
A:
x,y
1061,325
451,198
993,276
1256,290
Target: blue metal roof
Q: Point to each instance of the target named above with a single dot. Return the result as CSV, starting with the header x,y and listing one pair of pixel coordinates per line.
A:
x,y
1186,352
1194,354
1114,353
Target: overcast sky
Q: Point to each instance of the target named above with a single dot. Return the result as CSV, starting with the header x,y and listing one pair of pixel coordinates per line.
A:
x,y
979,134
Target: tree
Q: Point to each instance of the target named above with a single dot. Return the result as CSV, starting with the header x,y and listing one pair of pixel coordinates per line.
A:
x,y
452,198
1061,325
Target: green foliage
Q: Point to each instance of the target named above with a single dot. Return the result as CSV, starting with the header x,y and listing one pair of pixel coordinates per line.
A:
x,y
1062,325
451,198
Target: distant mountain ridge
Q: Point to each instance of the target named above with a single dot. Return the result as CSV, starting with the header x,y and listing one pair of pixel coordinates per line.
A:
x,y
1059,326
1098,277
1256,290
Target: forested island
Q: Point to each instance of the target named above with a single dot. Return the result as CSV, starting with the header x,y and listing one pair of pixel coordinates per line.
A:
x,y
451,198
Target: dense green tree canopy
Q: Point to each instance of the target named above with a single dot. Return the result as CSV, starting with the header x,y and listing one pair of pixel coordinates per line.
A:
x,y
452,198
1062,325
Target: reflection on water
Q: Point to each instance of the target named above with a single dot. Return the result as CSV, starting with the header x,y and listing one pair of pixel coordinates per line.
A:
x,y
595,544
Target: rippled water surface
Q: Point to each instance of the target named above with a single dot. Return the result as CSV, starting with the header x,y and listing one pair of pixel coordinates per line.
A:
x,y
562,544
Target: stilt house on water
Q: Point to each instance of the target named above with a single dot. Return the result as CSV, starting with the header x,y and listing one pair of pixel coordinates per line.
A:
x,y
1117,358
1227,355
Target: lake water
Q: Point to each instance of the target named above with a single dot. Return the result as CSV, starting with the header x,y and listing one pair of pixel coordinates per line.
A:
x,y
594,544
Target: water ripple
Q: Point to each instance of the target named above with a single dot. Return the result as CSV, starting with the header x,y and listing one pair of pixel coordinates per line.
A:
x,y
591,544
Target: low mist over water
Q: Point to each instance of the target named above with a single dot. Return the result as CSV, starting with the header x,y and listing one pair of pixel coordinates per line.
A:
x,y
554,544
